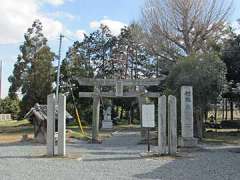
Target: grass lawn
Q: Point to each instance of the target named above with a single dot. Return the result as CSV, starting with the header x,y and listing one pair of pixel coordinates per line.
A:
x,y
103,134
222,137
12,131
13,123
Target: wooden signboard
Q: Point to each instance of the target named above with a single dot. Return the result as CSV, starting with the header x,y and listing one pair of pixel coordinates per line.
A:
x,y
148,115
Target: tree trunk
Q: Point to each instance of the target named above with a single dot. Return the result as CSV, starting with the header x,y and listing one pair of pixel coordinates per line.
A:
x,y
215,112
231,108
200,125
117,111
130,118
157,68
205,117
226,109
121,114
223,111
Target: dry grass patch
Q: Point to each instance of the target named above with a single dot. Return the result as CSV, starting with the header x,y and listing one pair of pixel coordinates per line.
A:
x,y
223,137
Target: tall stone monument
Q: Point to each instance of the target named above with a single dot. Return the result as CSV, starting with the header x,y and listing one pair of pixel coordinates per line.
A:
x,y
187,139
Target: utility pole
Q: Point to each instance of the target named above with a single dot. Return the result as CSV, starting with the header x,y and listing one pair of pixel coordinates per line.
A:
x,y
57,89
59,63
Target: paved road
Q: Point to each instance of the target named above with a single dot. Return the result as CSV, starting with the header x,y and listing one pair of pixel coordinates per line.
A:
x,y
117,158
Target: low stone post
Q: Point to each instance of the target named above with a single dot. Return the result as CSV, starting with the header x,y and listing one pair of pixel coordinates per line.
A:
x,y
61,125
172,125
50,124
162,124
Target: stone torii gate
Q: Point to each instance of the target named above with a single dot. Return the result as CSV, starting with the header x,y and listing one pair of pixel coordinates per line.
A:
x,y
139,84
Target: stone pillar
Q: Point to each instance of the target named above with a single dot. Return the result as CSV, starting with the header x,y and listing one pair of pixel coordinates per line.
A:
x,y
141,101
50,124
172,125
61,125
95,118
187,139
162,124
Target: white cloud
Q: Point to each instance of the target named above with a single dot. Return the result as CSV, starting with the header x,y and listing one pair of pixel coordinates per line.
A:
x,y
51,28
94,24
236,27
114,26
80,34
69,16
16,16
62,14
54,2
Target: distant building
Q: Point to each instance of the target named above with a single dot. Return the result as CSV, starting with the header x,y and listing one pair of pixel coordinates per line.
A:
x,y
5,117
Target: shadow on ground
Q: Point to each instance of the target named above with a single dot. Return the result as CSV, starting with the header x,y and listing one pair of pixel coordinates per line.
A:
x,y
207,164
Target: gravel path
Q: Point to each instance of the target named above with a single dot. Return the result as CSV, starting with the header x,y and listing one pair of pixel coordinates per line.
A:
x,y
117,158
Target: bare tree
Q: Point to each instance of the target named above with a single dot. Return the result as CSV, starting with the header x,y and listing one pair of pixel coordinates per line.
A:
x,y
186,26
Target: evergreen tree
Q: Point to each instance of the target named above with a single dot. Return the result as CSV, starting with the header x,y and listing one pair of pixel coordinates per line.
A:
x,y
33,72
231,55
133,53
77,64
101,44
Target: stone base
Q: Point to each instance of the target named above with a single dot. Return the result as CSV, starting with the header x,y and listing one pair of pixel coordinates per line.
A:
x,y
188,142
107,125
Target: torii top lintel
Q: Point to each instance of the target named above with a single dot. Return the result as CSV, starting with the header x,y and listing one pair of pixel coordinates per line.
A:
x,y
124,82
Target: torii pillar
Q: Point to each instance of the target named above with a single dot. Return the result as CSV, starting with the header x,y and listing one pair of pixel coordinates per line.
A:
x,y
95,116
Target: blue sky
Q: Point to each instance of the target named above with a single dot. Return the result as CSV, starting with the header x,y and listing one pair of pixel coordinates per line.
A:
x,y
70,17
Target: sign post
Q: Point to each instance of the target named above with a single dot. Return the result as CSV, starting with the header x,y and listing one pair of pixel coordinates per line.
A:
x,y
148,116
148,129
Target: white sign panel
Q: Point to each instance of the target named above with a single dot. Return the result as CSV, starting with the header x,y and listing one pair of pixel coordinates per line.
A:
x,y
148,115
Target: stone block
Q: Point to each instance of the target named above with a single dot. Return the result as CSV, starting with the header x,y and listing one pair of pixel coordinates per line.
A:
x,y
188,142
107,124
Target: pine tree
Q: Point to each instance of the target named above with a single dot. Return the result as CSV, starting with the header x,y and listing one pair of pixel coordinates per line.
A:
x,y
77,64
101,43
137,61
